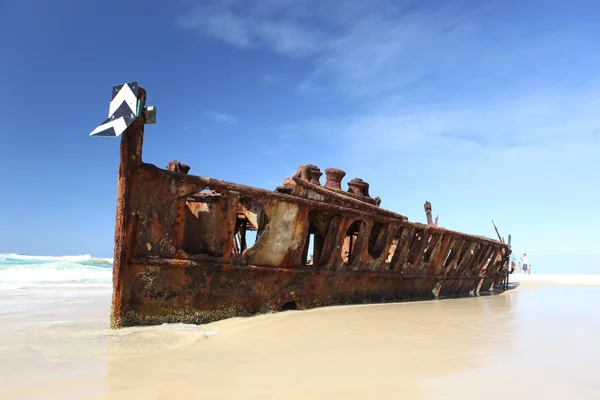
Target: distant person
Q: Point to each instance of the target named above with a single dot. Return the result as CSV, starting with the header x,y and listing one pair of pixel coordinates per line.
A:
x,y
512,263
525,263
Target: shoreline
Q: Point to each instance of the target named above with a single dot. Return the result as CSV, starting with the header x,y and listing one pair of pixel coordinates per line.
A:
x,y
56,343
555,279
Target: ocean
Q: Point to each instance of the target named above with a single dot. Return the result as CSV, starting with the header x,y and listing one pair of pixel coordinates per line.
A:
x,y
19,271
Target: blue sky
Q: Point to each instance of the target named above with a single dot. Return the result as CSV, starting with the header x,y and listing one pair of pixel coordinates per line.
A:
x,y
490,110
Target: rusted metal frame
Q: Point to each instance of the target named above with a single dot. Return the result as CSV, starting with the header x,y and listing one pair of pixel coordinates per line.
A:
x,y
320,221
403,248
505,258
483,272
429,244
492,256
433,249
497,267
319,241
238,237
468,262
483,263
223,186
348,201
449,254
457,248
332,259
130,158
378,263
476,238
409,265
472,263
489,267
481,258
289,256
350,247
480,262
178,223
197,184
319,206
243,231
484,275
232,201
394,239
447,257
249,191
236,245
359,252
359,197
464,257
377,245
438,254
428,213
179,263
402,235
305,249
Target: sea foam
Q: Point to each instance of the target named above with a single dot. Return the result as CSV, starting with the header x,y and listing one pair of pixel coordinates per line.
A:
x,y
25,271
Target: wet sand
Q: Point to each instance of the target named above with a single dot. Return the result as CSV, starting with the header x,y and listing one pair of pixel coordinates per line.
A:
x,y
537,341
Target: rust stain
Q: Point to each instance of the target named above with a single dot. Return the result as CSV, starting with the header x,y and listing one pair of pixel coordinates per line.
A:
x,y
194,249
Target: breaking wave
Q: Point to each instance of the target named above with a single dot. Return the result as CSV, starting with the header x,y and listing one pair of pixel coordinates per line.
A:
x,y
25,271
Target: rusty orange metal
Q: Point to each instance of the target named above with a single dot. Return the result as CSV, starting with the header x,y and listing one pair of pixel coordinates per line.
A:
x,y
194,249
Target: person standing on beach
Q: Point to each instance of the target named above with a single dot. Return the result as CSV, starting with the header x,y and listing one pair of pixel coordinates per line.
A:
x,y
525,263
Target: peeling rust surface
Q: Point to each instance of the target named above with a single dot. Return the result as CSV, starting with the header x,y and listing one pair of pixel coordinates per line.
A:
x,y
194,249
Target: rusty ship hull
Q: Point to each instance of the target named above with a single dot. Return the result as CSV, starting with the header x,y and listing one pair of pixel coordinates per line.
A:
x,y
183,250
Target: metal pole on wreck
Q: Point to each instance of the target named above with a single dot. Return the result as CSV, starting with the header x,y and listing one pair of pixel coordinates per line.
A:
x,y
501,239
508,264
130,158
127,116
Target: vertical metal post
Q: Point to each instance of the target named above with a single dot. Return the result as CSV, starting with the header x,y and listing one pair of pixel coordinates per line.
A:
x,y
130,158
508,265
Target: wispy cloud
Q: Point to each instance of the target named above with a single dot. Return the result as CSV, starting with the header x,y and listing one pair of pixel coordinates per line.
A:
x,y
220,117
273,77
380,47
250,24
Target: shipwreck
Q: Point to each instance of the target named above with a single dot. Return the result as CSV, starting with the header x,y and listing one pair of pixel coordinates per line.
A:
x,y
194,249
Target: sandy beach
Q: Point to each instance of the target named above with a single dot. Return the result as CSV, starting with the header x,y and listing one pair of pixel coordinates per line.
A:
x,y
536,341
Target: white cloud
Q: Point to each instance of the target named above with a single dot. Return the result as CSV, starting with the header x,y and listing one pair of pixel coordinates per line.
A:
x,y
220,117
382,47
262,24
273,77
